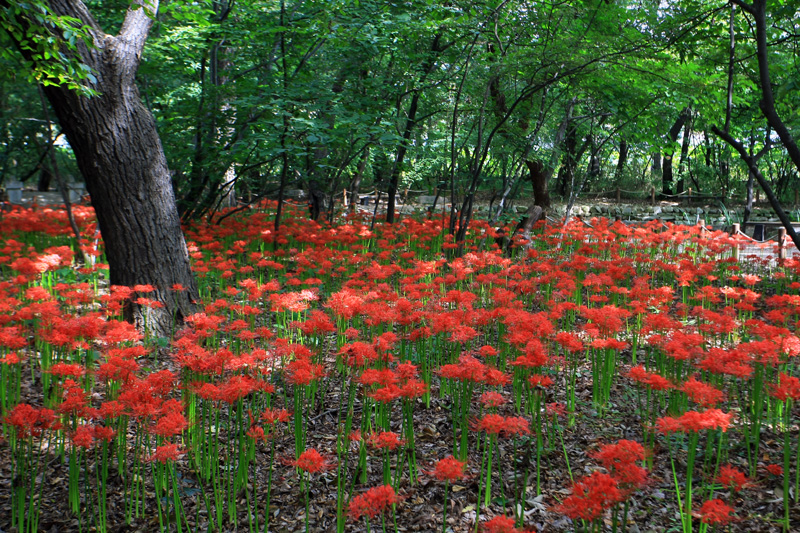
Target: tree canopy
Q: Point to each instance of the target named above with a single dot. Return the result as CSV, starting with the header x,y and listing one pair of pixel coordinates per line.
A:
x,y
451,99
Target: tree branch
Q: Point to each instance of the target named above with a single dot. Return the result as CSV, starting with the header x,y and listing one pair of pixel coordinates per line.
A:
x,y
745,6
133,33
753,167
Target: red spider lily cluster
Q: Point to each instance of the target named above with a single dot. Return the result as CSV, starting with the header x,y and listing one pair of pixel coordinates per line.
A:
x,y
364,335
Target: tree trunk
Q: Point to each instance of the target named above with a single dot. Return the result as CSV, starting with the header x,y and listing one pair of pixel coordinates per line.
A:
x,y
666,171
749,197
566,174
355,184
538,175
623,158
687,133
119,153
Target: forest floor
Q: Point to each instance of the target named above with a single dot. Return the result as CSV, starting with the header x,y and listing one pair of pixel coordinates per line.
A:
x,y
568,446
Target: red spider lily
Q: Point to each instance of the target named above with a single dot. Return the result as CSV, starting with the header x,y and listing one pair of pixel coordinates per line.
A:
x,y
492,399
373,376
317,323
495,424
11,358
407,371
104,433
569,341
449,469
775,469
787,388
117,369
733,478
83,437
385,440
311,461
302,371
344,304
538,380
273,416
166,453
467,369
75,400
591,497
733,362
500,524
413,388
487,351
620,460
257,433
652,380
373,502
556,409
357,354
702,393
171,423
238,387
66,369
111,409
385,394
716,512
694,421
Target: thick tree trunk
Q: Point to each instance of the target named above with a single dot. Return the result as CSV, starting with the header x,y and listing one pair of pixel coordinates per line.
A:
x,y
538,176
119,153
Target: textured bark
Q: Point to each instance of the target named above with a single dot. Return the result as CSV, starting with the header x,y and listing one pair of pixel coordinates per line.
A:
x,y
539,177
119,153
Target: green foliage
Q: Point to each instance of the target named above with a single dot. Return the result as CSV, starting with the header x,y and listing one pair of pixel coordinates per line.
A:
x,y
240,88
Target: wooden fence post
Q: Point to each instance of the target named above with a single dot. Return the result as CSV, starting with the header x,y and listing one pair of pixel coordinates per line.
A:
x,y
781,243
735,233
653,195
619,195
689,197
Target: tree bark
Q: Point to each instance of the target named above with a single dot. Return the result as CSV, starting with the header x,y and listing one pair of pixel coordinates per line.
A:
x,y
538,176
119,153
666,170
623,158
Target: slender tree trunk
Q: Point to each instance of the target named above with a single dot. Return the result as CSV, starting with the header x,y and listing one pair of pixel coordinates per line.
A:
x,y
623,158
666,170
748,204
687,133
355,184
